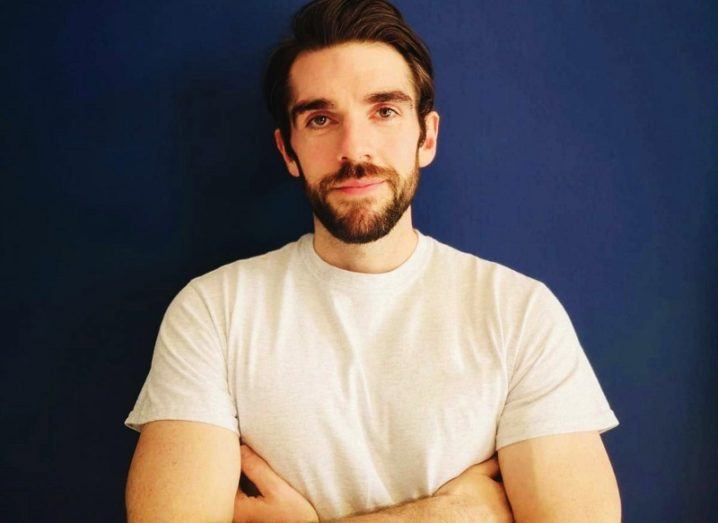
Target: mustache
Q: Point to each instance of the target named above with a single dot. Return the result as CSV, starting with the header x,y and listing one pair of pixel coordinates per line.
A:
x,y
350,171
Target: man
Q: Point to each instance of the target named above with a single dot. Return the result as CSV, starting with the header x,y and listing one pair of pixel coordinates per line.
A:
x,y
370,370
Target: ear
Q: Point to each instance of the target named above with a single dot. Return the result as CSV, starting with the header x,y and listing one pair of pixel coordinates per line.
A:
x,y
427,151
291,164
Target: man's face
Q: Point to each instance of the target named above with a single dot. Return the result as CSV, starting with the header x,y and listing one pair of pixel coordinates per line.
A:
x,y
355,124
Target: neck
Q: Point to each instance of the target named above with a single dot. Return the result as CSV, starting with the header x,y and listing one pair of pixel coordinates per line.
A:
x,y
382,255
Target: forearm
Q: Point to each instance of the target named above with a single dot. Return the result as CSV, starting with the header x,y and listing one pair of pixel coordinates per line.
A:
x,y
437,508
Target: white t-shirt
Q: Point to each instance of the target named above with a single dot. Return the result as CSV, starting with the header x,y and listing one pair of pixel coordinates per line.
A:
x,y
369,390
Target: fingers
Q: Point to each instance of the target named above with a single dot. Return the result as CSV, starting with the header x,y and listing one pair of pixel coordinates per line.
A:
x,y
268,482
490,467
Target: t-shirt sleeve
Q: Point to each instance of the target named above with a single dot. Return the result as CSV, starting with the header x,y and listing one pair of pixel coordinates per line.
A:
x,y
188,375
552,387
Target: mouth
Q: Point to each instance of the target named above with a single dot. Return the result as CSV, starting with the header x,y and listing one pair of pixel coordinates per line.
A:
x,y
359,188
359,183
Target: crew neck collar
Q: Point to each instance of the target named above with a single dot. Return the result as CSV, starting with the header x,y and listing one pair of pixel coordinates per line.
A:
x,y
333,276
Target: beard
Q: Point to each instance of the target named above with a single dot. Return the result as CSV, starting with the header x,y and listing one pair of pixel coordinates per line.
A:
x,y
359,220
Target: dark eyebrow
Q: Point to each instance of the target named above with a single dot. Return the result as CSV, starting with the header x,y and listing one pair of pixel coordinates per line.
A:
x,y
389,96
309,105
373,98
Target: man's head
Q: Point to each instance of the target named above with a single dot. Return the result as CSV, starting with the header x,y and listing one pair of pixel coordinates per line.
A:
x,y
352,96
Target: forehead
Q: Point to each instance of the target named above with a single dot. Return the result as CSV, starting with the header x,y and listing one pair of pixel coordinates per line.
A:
x,y
349,69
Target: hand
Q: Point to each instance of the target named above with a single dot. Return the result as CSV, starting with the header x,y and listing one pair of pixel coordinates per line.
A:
x,y
480,487
278,502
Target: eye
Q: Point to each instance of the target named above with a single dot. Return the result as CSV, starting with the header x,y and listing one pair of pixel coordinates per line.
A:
x,y
386,115
317,121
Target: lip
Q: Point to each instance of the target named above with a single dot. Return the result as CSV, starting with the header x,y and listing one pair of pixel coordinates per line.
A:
x,y
360,183
359,189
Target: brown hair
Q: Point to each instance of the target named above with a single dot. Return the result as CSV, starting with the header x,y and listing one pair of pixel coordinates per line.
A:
x,y
324,23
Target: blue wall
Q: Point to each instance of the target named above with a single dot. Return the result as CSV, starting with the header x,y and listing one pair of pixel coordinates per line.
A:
x,y
577,145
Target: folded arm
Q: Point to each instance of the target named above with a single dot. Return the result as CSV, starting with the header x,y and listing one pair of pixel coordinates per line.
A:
x,y
183,471
564,477
437,508
475,495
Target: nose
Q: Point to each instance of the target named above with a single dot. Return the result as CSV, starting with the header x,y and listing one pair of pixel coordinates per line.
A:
x,y
354,141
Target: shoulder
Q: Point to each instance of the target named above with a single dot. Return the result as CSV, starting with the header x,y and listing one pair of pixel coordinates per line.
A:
x,y
482,274
247,271
219,290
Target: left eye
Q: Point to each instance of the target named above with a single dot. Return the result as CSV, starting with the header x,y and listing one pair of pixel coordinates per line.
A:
x,y
386,112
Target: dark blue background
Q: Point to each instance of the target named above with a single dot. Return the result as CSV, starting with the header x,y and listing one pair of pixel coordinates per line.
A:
x,y
577,145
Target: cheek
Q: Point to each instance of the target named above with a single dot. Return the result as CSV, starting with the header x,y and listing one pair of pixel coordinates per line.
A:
x,y
404,139
316,154
400,150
